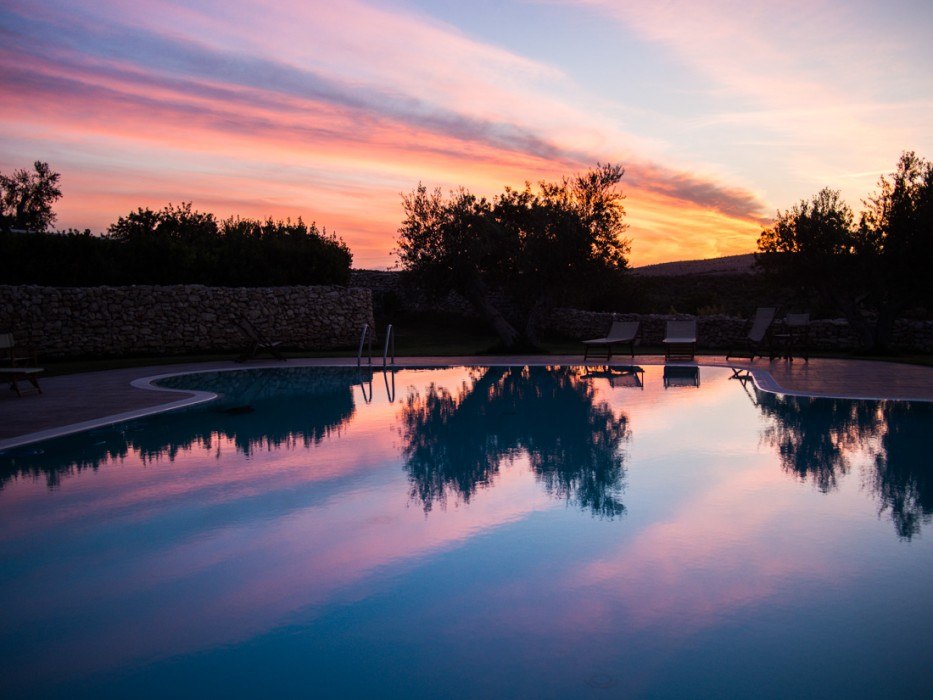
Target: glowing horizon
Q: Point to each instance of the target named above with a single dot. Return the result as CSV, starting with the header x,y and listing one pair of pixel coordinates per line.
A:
x,y
721,114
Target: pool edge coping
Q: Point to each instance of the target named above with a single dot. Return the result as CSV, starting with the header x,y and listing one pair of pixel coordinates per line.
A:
x,y
762,378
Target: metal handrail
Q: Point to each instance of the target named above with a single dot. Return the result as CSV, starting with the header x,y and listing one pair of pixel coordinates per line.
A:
x,y
363,381
364,336
390,340
390,388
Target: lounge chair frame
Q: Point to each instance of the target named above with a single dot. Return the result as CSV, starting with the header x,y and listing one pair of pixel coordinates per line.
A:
x,y
14,375
680,340
759,335
21,365
620,333
258,342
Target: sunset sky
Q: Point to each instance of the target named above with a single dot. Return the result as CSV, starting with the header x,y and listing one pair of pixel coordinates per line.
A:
x,y
721,112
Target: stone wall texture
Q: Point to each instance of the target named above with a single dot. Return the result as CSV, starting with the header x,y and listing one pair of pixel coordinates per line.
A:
x,y
98,321
727,332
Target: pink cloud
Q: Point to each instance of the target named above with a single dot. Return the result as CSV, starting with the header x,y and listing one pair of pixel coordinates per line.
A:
x,y
145,107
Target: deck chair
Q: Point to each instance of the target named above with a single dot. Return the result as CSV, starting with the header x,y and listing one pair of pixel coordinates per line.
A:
x,y
795,340
13,355
680,340
14,375
620,333
757,335
258,342
18,365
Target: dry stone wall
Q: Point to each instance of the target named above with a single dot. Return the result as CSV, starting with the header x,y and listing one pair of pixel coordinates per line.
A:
x,y
96,321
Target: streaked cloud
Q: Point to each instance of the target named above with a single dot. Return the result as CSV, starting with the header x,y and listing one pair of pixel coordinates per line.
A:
x,y
331,110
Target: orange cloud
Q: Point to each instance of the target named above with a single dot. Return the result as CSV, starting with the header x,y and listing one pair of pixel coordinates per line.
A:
x,y
139,109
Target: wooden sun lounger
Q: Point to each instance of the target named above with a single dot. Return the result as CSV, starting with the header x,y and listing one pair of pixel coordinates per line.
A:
x,y
13,375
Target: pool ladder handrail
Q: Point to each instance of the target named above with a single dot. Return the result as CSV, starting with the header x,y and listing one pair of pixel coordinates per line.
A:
x,y
390,340
366,338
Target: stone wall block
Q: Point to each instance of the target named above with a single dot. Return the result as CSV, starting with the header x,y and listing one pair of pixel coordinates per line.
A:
x,y
77,321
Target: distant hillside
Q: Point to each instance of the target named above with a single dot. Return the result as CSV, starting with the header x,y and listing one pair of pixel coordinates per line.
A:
x,y
728,265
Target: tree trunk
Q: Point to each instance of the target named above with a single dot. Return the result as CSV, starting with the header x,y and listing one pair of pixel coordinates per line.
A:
x,y
884,326
477,294
864,333
538,312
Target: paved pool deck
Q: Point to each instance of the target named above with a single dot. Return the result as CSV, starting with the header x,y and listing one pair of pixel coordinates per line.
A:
x,y
75,402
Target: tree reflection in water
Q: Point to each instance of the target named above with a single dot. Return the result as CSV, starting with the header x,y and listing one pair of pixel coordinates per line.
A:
x,y
456,444
815,438
256,409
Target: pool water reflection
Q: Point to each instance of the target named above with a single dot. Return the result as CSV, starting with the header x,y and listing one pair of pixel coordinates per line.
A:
x,y
474,532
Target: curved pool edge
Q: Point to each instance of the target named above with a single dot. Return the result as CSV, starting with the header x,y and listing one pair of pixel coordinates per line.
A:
x,y
762,378
194,398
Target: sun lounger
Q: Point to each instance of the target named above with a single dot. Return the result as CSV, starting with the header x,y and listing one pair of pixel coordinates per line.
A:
x,y
19,365
620,333
757,335
258,342
13,355
680,341
14,375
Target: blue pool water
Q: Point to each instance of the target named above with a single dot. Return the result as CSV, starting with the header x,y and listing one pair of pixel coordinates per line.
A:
x,y
474,532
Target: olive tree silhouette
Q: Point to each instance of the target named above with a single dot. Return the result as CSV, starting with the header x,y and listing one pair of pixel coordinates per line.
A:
x,y
559,244
871,272
26,198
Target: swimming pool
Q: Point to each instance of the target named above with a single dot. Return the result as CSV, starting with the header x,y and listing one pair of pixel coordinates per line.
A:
x,y
474,532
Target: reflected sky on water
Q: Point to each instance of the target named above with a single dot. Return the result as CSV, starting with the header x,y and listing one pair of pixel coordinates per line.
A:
x,y
471,531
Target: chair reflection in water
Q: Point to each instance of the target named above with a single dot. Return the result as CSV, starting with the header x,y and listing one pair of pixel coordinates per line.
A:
x,y
745,378
681,375
621,376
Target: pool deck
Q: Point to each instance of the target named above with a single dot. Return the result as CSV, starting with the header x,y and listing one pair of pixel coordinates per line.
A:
x,y
75,402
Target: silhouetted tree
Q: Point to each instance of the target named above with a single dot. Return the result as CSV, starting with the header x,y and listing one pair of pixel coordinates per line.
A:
x,y
871,272
26,198
895,235
559,244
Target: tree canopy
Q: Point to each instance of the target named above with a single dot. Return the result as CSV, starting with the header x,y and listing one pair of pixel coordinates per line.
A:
x,y
521,253
26,198
871,271
179,245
